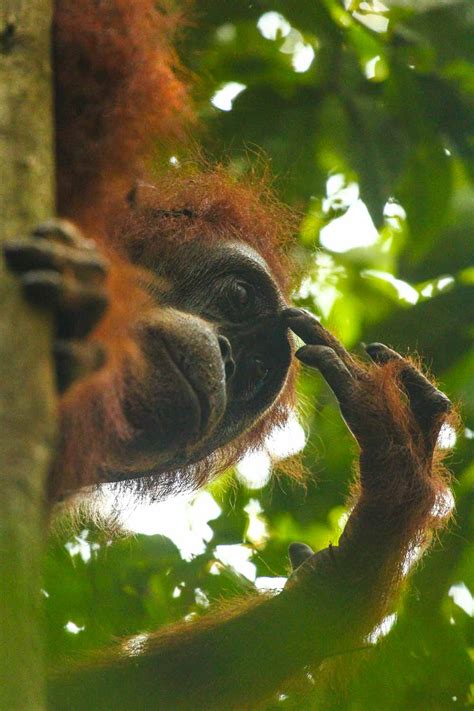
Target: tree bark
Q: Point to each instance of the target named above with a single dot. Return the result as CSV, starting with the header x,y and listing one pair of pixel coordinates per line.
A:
x,y
27,421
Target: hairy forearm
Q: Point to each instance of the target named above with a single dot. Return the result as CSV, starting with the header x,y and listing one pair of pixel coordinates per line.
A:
x,y
235,657
229,659
246,652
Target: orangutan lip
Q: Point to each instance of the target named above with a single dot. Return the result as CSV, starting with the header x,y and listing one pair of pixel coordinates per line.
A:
x,y
203,408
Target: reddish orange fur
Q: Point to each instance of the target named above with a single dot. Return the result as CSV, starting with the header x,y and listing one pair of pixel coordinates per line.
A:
x,y
92,414
401,489
119,90
116,94
222,209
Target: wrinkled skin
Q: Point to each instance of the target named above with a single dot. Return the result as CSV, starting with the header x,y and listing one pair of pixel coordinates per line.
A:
x,y
216,352
220,324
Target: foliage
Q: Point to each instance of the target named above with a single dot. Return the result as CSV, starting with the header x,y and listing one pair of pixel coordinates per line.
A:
x,y
365,112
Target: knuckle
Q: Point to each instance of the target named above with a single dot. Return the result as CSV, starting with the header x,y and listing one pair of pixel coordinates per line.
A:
x,y
60,230
381,354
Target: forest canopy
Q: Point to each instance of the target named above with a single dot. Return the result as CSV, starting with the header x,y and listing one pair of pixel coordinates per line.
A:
x,y
364,114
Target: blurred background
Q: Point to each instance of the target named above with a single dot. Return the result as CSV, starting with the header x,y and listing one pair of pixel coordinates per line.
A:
x,y
365,113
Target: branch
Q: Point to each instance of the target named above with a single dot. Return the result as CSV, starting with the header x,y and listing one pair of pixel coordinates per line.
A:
x,y
27,422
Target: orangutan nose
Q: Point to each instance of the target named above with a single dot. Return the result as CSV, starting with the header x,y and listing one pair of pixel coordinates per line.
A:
x,y
226,353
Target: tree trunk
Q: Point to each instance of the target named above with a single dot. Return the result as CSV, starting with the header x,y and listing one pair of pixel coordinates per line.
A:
x,y
27,422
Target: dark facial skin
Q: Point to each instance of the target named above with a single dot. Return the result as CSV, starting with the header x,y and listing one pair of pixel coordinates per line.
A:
x,y
216,348
218,354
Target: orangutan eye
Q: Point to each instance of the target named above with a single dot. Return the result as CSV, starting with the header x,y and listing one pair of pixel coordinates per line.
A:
x,y
241,293
240,299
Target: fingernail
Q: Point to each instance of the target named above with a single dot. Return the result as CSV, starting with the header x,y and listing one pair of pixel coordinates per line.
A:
x,y
375,348
291,312
305,354
380,353
298,553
